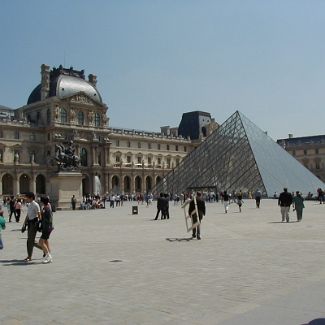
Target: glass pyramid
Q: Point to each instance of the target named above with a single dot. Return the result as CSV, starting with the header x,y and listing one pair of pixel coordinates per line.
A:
x,y
240,156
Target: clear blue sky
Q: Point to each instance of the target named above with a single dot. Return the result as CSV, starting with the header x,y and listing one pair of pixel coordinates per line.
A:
x,y
157,59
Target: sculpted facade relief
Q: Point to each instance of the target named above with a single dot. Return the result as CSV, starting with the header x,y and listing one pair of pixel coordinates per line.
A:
x,y
82,99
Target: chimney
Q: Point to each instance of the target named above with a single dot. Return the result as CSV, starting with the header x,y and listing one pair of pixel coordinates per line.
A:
x,y
45,81
92,79
290,135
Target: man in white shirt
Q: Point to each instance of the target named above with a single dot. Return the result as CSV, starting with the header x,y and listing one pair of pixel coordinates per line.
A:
x,y
31,221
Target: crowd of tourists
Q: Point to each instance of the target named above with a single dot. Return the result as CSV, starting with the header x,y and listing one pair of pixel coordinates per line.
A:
x,y
39,213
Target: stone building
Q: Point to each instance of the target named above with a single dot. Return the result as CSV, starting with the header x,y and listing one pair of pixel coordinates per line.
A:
x,y
64,107
310,151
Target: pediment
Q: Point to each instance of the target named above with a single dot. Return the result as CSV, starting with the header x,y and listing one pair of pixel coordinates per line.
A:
x,y
82,98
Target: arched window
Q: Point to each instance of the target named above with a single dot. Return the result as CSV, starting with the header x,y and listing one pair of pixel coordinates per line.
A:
x,y
97,119
63,115
83,157
7,184
40,184
81,118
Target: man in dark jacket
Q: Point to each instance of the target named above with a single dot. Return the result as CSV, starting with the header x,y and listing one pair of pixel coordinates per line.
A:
x,y
160,204
165,207
285,200
201,210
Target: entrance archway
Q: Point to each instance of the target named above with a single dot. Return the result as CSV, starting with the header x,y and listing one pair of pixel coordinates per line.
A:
x,y
148,184
7,184
40,184
24,183
158,180
85,185
127,184
138,184
115,184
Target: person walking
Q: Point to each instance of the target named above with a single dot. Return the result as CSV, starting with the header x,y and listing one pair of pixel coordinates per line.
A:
x,y
226,201
165,207
12,210
285,200
47,227
240,199
159,205
258,196
201,211
2,227
298,205
18,206
31,221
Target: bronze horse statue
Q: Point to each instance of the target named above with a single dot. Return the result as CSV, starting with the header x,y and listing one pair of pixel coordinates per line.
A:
x,y
65,157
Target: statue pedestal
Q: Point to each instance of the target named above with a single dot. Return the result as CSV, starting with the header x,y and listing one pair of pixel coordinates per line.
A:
x,y
63,185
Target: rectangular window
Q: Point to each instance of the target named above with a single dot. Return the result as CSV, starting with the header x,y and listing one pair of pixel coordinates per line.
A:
x,y
139,160
159,161
167,147
139,144
316,151
117,143
129,144
149,160
176,147
168,162
17,135
158,145
149,145
128,159
117,159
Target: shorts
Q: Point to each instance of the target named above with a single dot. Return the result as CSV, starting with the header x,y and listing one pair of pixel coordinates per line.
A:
x,y
46,235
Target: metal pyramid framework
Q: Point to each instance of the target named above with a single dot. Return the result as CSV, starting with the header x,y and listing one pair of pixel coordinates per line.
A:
x,y
240,156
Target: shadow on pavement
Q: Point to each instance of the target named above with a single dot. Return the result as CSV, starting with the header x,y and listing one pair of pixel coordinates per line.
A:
x,y
179,239
17,262
318,321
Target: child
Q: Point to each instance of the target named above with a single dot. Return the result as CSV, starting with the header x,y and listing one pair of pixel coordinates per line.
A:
x,y
2,226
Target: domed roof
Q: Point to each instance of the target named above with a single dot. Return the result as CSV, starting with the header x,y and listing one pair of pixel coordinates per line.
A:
x,y
35,95
66,83
68,86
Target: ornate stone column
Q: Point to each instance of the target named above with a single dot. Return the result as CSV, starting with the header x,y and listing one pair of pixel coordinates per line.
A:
x,y
16,185
33,181
94,155
105,183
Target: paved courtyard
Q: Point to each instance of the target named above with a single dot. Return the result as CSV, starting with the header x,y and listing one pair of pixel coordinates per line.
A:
x,y
112,267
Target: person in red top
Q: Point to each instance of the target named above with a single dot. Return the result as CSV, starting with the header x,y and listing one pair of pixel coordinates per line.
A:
x,y
18,206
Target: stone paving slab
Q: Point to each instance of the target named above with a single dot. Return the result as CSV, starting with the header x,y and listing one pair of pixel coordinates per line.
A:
x,y
112,267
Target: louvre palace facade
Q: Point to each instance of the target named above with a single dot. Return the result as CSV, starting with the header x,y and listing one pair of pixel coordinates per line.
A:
x,y
66,107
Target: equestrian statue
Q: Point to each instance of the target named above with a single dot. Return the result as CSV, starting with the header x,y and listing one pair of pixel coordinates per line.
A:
x,y
65,157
